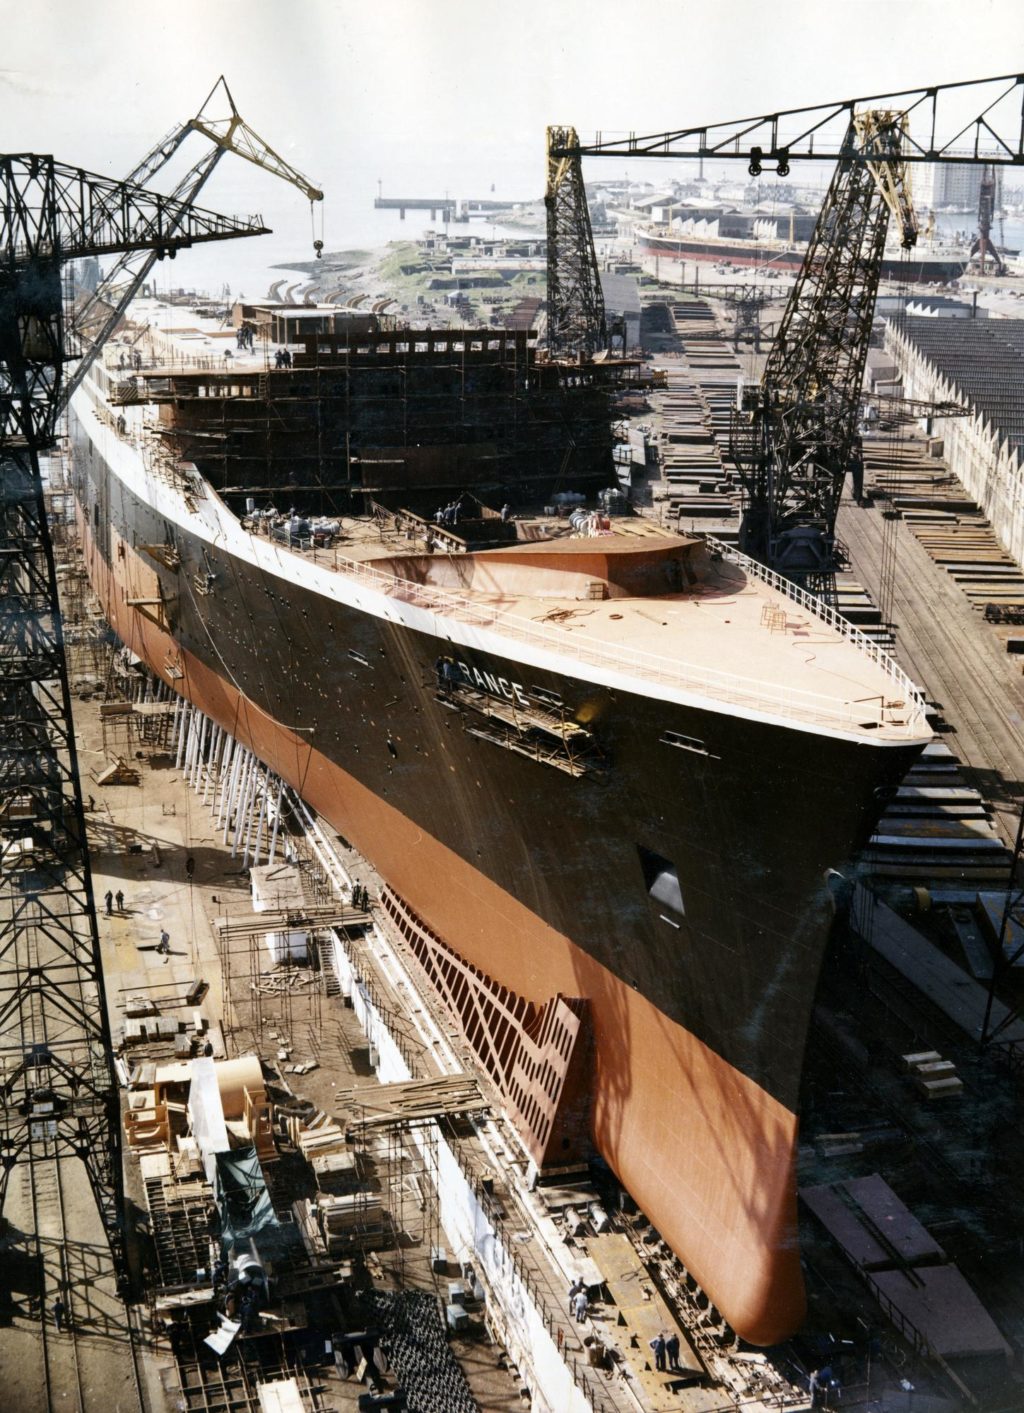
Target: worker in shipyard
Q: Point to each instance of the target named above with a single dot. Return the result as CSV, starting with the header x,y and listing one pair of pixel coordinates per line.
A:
x,y
506,513
672,1352
108,898
164,945
581,1302
59,1312
658,1345
575,1289
119,900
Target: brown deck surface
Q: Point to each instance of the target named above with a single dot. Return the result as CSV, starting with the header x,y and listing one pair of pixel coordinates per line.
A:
x,y
640,1306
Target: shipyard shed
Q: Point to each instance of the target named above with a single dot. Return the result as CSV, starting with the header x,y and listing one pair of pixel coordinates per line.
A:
x,y
976,363
941,306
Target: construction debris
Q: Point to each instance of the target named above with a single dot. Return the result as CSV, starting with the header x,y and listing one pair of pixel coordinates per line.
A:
x,y
117,772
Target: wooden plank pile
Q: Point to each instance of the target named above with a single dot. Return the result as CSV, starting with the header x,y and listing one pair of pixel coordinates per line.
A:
x,y
947,522
379,1105
692,413
972,556
937,832
858,607
116,772
354,1219
933,1076
316,1136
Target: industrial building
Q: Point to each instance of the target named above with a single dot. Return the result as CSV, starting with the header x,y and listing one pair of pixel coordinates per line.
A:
x,y
977,363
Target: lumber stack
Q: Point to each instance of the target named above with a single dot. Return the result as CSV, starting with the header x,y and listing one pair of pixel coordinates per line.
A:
x,y
378,1105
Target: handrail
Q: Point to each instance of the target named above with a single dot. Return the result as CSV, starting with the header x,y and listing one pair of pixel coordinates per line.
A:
x,y
828,614
902,714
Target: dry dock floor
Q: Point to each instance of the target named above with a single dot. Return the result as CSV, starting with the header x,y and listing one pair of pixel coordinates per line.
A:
x,y
142,837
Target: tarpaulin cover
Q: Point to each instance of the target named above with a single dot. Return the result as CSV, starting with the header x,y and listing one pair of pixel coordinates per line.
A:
x,y
242,1196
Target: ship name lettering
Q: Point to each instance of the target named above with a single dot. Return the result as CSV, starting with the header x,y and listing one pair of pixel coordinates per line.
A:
x,y
496,686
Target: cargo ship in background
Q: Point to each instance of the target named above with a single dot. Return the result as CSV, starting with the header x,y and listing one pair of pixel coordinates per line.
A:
x,y
916,266
607,767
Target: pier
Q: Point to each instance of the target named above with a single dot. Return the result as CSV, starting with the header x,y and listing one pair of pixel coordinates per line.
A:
x,y
447,207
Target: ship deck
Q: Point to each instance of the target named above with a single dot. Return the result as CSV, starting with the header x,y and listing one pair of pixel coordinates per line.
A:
x,y
738,636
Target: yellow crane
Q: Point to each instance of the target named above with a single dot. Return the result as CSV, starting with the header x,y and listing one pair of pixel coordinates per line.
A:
x,y
95,318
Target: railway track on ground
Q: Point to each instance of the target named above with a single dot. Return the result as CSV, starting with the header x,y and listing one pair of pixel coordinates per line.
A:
x,y
77,1364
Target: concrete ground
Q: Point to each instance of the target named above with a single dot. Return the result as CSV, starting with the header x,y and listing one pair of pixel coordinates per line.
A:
x,y
143,837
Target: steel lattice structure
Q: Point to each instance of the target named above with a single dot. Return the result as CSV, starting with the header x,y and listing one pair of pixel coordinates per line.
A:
x,y
576,316
96,317
58,1093
800,440
980,121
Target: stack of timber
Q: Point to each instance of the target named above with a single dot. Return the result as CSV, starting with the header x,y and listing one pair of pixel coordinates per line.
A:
x,y
691,465
353,1220
947,522
316,1136
934,1077
116,772
857,606
971,555
694,319
693,414
937,834
380,1105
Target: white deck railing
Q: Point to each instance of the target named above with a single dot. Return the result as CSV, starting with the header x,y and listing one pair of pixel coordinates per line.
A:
x,y
901,711
903,684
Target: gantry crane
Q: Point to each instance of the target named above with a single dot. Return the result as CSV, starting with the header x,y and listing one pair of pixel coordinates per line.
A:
x,y
796,437
576,316
58,1092
95,318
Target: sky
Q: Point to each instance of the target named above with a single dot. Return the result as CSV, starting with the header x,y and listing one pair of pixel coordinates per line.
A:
x,y
428,96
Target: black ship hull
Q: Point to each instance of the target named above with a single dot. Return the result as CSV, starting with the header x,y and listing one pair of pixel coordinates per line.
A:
x,y
546,878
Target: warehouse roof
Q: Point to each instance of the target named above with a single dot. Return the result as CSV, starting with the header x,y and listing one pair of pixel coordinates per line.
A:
x,y
981,358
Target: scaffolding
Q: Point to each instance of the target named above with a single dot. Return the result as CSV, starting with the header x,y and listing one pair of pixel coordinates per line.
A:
x,y
370,415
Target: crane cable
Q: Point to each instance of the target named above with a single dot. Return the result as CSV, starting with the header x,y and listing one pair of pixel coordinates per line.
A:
x,y
318,241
